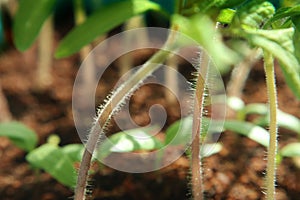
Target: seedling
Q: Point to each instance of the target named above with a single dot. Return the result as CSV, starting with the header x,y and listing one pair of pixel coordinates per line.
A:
x,y
254,23
19,134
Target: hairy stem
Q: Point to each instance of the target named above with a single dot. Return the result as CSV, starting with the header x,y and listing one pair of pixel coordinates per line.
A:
x,y
196,165
272,150
113,104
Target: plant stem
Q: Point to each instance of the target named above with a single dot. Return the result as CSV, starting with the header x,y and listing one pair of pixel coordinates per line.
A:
x,y
112,105
45,48
5,113
126,61
196,165
272,150
239,76
89,73
171,80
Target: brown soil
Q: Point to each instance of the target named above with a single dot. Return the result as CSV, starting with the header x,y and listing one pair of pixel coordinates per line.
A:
x,y
234,173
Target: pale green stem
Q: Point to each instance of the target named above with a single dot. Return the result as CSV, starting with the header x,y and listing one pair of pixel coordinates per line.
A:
x,y
238,79
272,150
126,61
171,80
89,72
112,105
45,59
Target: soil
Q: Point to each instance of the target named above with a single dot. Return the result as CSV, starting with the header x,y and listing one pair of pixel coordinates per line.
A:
x,y
236,172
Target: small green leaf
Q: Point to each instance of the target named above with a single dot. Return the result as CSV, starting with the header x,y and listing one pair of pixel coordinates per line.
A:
x,y
289,3
29,20
283,13
282,37
250,130
180,132
226,16
210,149
19,134
253,14
128,141
73,151
296,38
53,139
53,160
279,42
296,22
235,103
100,22
291,150
232,3
205,5
284,120
256,108
182,129
202,30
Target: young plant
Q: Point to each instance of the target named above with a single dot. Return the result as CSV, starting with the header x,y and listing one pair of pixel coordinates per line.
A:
x,y
19,134
59,162
254,23
111,106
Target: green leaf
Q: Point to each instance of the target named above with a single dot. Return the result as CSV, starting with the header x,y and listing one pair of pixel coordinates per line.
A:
x,y
256,108
205,5
226,16
289,3
210,149
250,130
291,150
232,3
253,14
296,38
29,20
180,132
202,30
182,129
296,22
279,44
53,160
235,103
128,141
284,120
253,108
283,13
73,151
19,134
53,139
102,21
